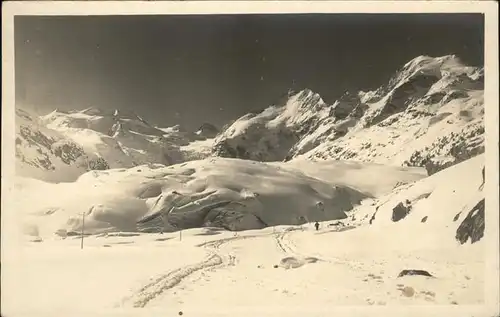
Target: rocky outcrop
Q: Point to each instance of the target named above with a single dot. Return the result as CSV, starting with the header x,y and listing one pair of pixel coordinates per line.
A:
x,y
403,96
98,164
68,151
472,227
207,131
437,164
400,211
414,272
450,149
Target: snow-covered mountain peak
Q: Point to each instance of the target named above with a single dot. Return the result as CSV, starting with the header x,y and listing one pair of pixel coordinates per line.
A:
x,y
437,64
307,97
93,111
115,138
46,154
406,119
390,124
99,120
301,106
427,69
270,134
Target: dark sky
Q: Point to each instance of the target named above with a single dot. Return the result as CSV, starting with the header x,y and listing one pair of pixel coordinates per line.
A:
x,y
214,68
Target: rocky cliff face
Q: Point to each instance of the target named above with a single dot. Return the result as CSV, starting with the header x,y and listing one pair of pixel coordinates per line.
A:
x,y
48,155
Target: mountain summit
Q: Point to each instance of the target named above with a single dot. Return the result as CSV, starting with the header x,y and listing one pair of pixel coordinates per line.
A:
x,y
430,112
62,145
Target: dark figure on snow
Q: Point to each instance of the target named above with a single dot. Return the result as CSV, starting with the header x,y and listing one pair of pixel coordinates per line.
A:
x,y
482,173
408,205
317,226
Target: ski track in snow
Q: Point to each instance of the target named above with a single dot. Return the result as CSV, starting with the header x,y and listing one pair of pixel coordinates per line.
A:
x,y
215,260
286,244
169,280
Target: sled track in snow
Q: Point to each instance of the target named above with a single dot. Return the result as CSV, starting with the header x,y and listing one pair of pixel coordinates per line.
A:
x,y
169,280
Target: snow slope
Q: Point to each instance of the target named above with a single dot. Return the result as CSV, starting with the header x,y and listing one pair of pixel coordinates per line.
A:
x,y
429,114
229,193
279,270
193,145
197,150
439,204
371,179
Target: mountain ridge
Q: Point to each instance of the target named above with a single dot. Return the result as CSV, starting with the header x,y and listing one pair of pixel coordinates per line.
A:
x,y
412,105
429,114
100,139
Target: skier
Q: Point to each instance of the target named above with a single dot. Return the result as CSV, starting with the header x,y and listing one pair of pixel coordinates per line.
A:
x,y
317,226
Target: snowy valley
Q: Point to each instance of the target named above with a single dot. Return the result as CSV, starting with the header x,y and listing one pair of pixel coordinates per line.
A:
x,y
195,221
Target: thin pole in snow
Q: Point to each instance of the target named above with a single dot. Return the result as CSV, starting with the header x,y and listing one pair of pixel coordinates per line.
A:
x,y
83,229
83,225
180,235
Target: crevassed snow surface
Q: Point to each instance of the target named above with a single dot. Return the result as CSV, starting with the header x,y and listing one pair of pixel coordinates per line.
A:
x,y
257,195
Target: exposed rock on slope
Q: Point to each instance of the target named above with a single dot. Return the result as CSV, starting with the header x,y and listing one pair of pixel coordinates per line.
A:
x,y
271,134
123,139
472,227
182,137
45,154
432,108
207,131
63,145
400,212
193,145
